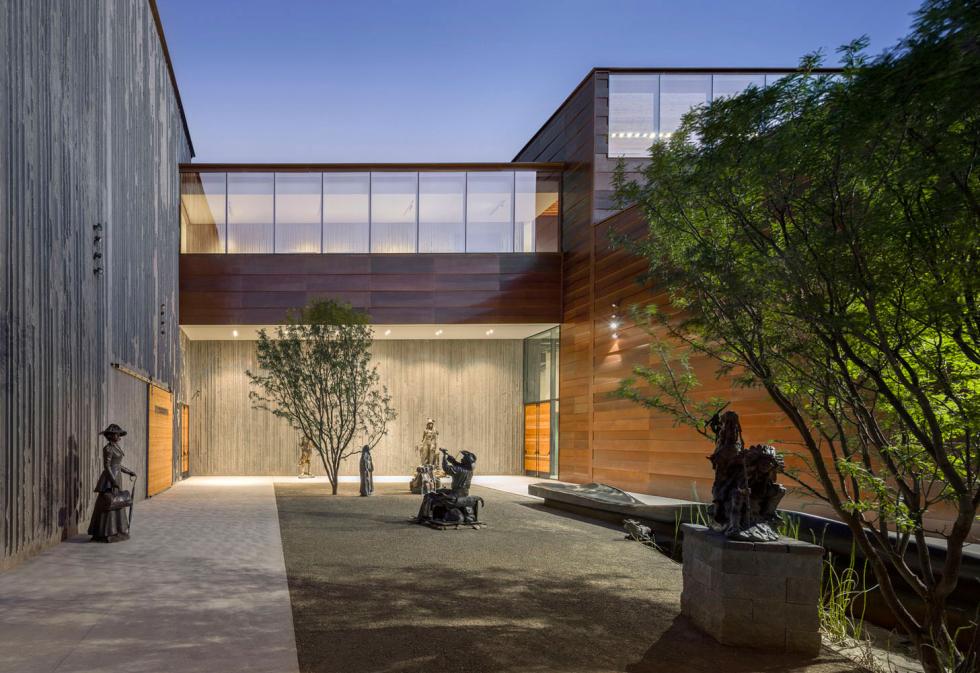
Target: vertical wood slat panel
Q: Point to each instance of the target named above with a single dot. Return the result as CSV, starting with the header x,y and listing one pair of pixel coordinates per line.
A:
x,y
471,388
160,459
91,133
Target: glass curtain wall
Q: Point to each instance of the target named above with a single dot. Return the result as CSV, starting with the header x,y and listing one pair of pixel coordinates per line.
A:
x,y
646,107
378,212
541,404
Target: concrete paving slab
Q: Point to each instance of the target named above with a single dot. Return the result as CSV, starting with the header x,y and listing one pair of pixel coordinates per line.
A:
x,y
201,586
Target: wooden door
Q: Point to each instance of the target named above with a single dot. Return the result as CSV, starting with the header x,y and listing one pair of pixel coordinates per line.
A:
x,y
185,439
160,452
537,439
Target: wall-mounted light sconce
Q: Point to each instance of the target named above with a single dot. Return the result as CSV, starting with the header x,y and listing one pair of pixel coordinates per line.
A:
x,y
614,322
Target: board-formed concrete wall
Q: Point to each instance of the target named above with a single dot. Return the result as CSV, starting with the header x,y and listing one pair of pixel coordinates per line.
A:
x,y
91,135
472,388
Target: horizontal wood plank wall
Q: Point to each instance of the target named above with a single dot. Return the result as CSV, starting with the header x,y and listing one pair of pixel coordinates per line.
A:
x,y
414,289
569,137
634,448
91,134
471,388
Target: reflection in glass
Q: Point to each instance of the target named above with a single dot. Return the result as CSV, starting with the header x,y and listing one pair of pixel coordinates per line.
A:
x,y
546,211
678,94
393,212
250,212
202,212
298,212
632,114
346,212
726,86
442,212
489,212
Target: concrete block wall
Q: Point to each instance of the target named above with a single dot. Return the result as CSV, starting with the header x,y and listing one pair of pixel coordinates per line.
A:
x,y
753,594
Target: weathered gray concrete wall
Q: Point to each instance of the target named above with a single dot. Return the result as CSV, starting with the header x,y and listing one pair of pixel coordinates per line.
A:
x,y
471,388
90,134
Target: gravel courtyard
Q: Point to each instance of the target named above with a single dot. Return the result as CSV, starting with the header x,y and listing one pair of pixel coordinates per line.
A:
x,y
535,591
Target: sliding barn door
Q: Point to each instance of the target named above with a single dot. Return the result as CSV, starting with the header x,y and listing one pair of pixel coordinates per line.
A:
x,y
160,457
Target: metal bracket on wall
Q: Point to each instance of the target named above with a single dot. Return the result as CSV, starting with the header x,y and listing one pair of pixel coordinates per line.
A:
x,y
140,376
97,244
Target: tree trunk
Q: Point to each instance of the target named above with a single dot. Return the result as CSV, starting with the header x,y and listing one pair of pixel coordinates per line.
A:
x,y
333,485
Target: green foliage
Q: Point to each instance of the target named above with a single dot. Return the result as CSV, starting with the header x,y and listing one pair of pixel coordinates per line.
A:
x,y
317,375
821,239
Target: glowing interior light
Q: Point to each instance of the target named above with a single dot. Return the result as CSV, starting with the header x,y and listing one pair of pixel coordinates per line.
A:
x,y
615,335
438,332
614,325
387,332
489,332
234,333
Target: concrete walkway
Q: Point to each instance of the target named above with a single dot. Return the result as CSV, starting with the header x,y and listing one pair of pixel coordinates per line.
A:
x,y
201,586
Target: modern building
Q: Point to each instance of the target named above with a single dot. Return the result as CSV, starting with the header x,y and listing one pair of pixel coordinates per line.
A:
x,y
134,281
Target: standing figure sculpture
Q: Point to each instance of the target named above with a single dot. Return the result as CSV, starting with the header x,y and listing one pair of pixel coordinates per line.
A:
x,y
110,519
429,448
452,507
745,495
424,480
367,471
305,456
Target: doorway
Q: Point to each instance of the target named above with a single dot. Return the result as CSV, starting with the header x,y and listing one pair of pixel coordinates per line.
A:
x,y
160,444
541,404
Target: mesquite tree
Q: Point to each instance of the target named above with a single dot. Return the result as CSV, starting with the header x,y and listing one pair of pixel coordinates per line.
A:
x,y
820,238
317,375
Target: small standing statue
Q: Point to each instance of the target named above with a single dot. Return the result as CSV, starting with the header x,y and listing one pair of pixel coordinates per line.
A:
x,y
110,521
429,448
305,456
453,507
745,495
367,471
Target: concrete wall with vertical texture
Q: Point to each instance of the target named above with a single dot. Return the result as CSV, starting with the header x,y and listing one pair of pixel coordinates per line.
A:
x,y
91,133
473,390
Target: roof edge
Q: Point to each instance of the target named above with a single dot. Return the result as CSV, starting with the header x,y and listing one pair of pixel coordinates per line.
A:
x,y
170,70
685,69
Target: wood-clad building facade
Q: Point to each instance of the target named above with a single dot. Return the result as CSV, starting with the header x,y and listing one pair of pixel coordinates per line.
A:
x,y
119,255
93,132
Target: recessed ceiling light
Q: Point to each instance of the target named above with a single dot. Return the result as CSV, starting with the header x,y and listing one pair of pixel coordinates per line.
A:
x,y
234,333
489,332
387,332
438,332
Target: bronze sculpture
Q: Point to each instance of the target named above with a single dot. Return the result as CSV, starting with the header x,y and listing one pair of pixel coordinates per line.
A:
x,y
428,449
110,521
453,507
305,456
745,495
367,471
424,480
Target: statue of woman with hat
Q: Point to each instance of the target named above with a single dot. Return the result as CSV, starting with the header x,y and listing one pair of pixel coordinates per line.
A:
x,y
110,523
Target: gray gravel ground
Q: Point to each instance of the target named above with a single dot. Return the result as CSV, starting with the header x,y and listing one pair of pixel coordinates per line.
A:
x,y
534,591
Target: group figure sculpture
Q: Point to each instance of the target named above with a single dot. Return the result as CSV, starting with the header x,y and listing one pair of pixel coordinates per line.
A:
x,y
113,506
745,495
453,507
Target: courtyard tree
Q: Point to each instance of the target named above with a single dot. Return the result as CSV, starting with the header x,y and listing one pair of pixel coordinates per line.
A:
x,y
820,238
316,373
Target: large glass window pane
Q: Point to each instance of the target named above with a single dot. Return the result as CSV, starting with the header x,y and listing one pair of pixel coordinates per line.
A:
x,y
250,212
678,94
442,211
298,212
726,86
489,212
202,212
525,210
346,212
393,212
632,114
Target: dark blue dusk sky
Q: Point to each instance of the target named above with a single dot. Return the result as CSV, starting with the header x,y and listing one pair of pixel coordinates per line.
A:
x,y
368,81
